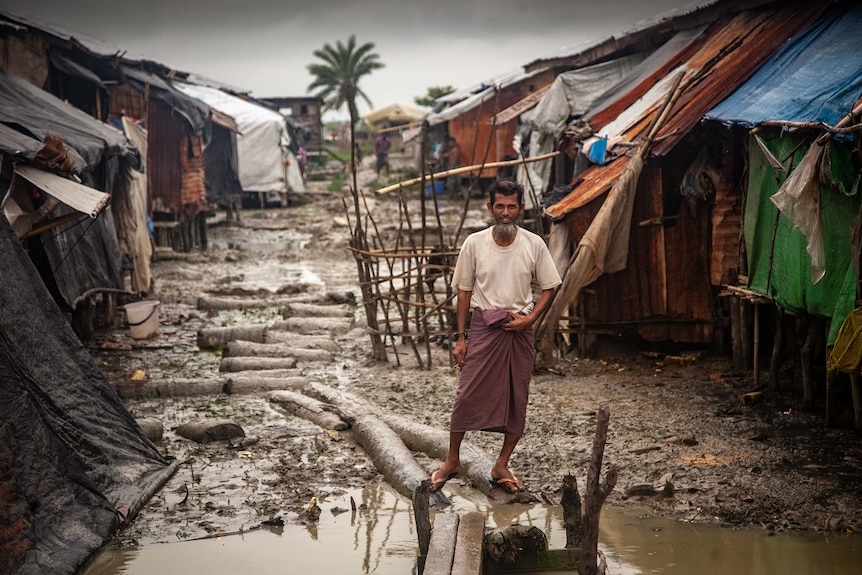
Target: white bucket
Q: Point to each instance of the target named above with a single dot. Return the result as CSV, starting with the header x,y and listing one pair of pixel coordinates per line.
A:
x,y
143,318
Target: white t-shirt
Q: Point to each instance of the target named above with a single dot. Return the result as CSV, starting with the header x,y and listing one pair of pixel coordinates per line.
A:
x,y
500,277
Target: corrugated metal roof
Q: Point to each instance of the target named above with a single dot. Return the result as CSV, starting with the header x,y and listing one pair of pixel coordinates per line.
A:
x,y
78,196
732,51
816,77
487,92
93,45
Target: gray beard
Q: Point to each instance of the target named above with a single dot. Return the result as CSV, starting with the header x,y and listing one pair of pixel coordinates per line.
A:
x,y
505,232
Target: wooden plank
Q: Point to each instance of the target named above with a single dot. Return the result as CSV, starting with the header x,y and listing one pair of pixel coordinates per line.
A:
x,y
441,549
521,106
468,550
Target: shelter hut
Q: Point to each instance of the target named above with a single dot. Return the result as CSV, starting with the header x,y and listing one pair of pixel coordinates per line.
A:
x,y
392,116
307,112
467,116
795,118
75,464
393,119
654,223
108,84
79,259
267,165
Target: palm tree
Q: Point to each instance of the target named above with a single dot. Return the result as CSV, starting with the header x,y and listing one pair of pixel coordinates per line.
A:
x,y
336,79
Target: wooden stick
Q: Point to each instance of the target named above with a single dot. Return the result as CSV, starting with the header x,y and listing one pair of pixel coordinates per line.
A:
x,y
464,170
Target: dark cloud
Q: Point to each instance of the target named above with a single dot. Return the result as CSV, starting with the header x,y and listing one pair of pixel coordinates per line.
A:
x,y
265,45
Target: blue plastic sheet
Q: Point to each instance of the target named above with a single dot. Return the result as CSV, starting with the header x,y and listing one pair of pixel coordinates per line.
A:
x,y
815,77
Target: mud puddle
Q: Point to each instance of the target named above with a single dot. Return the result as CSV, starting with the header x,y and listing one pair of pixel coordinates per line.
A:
x,y
380,538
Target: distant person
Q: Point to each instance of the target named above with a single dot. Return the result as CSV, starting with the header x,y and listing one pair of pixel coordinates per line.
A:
x,y
451,160
381,150
494,274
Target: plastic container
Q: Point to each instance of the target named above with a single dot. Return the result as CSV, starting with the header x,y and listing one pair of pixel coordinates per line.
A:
x,y
439,188
143,318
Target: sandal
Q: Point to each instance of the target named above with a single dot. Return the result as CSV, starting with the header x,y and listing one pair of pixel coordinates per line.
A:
x,y
437,484
510,484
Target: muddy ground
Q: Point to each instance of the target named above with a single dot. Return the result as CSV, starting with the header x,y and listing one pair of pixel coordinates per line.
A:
x,y
767,464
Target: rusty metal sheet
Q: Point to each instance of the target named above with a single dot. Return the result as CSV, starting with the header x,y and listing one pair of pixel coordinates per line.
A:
x,y
734,54
731,52
590,185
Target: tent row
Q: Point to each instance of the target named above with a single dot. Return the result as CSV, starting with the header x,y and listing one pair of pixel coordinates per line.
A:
x,y
97,147
166,147
705,191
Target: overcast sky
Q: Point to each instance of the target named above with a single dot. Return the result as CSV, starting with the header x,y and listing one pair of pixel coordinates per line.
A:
x,y
265,45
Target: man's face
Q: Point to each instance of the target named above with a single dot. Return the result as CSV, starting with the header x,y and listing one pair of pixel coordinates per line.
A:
x,y
505,209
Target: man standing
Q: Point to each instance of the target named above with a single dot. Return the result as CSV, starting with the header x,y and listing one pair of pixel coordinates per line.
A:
x,y
381,151
494,275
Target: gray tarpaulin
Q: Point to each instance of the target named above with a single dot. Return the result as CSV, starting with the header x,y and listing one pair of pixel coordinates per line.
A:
x,y
73,462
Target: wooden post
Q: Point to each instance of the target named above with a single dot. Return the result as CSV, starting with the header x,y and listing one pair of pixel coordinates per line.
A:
x,y
736,332
775,362
856,389
422,516
595,496
755,308
571,502
805,358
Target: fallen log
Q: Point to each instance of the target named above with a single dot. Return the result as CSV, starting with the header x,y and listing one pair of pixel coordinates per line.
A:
x,y
253,382
277,334
252,349
392,458
207,303
218,337
236,364
210,430
147,389
307,408
316,325
476,463
296,309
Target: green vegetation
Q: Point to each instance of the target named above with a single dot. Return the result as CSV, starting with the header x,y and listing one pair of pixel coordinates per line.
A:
x,y
432,94
337,182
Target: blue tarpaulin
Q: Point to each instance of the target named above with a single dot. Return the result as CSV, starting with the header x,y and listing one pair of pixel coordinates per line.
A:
x,y
814,77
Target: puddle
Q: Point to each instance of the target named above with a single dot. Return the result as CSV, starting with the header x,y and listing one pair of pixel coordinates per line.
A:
x,y
381,539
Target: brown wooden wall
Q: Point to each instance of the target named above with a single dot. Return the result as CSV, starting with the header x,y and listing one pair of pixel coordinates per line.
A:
x,y
25,55
175,170
665,288
476,135
124,98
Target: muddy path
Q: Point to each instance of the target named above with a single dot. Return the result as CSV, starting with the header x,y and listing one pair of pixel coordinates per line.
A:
x,y
684,444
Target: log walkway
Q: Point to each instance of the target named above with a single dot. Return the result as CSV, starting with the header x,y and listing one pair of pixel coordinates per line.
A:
x,y
268,358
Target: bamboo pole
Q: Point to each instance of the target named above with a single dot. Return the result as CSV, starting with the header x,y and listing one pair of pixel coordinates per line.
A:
x,y
464,170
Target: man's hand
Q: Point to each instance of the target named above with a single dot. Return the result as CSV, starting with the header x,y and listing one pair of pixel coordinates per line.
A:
x,y
459,352
519,323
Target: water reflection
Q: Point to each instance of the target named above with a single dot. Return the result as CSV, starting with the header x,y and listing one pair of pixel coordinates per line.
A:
x,y
379,537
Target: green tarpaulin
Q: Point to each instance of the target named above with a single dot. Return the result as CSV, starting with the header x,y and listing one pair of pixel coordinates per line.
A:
x,y
790,279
